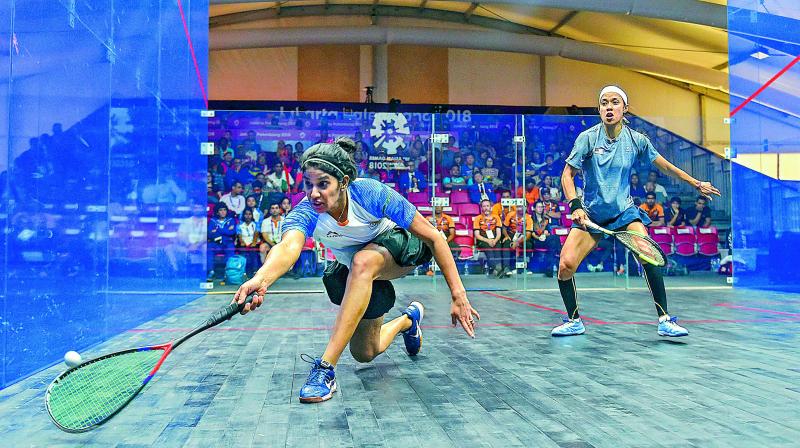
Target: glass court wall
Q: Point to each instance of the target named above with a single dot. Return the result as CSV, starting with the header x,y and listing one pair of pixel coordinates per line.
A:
x,y
489,182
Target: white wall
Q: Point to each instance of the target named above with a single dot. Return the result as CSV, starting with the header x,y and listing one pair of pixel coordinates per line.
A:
x,y
493,77
253,74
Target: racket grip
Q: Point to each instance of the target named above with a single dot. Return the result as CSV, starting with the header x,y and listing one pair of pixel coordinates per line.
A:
x,y
226,312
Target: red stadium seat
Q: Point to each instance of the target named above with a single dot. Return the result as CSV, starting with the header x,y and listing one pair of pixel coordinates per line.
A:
x,y
467,209
685,240
419,198
459,197
663,236
463,240
708,241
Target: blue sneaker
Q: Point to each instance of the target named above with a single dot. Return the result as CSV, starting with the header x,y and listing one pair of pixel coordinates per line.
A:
x,y
570,327
669,327
321,382
413,336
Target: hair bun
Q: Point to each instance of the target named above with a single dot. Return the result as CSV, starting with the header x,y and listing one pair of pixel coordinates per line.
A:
x,y
347,144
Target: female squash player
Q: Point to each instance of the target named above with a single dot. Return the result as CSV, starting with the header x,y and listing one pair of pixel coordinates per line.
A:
x,y
606,153
376,235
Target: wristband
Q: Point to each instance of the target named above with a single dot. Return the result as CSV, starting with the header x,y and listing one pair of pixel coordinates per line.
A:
x,y
575,205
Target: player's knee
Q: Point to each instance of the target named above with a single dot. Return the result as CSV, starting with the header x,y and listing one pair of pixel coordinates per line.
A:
x,y
365,265
363,354
567,266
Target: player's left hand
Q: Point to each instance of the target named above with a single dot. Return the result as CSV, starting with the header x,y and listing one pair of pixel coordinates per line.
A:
x,y
462,312
706,190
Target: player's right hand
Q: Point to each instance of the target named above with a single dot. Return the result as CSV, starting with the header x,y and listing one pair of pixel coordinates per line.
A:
x,y
579,216
257,286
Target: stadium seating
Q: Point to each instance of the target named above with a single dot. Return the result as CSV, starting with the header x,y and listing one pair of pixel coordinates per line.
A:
x,y
663,236
685,240
708,241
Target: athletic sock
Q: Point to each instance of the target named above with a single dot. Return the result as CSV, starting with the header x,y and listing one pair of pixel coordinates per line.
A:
x,y
570,297
655,280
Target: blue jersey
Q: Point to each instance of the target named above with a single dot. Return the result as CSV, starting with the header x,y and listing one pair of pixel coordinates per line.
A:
x,y
607,166
373,209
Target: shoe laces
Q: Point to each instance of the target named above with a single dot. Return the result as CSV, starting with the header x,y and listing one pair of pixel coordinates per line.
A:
x,y
567,320
318,373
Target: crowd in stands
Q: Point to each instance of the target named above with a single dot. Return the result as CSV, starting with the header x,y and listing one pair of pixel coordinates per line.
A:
x,y
253,184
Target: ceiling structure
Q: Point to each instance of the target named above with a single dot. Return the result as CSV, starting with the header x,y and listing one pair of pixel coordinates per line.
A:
x,y
684,42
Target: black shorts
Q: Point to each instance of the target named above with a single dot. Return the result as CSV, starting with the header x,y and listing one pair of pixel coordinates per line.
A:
x,y
406,250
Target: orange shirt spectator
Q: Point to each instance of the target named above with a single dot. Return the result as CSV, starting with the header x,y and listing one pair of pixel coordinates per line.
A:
x,y
653,209
484,223
443,223
532,195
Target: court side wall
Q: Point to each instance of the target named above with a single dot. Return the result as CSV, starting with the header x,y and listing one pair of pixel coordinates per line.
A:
x,y
764,137
99,165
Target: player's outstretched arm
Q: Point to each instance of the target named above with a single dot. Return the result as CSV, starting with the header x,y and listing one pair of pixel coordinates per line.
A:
x,y
279,260
460,311
704,188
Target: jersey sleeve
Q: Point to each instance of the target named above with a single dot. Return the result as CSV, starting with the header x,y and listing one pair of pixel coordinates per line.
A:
x,y
302,218
383,202
647,152
580,151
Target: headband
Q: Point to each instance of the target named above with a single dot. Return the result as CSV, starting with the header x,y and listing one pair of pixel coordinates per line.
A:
x,y
317,159
613,89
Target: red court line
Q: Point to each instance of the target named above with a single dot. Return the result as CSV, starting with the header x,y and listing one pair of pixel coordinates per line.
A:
x,y
480,325
194,58
760,310
762,88
541,307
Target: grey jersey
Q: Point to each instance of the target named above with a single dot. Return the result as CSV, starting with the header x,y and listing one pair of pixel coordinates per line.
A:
x,y
606,166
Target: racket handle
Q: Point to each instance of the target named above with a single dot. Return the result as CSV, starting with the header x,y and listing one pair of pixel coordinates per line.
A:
x,y
226,312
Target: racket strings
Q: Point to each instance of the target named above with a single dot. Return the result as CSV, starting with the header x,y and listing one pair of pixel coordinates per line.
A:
x,y
89,395
642,246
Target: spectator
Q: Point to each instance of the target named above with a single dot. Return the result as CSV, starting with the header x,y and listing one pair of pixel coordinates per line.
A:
x,y
490,173
213,196
260,198
221,232
700,215
547,184
249,241
412,180
551,208
236,173
637,190
444,224
254,210
531,192
479,190
223,146
227,162
650,187
543,239
535,164
503,211
469,167
271,230
487,232
517,235
653,209
661,192
250,143
674,215
187,247
455,181
286,206
234,199
278,183
551,166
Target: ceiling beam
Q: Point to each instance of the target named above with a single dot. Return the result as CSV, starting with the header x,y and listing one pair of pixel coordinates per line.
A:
x,y
470,10
689,11
371,11
570,15
469,39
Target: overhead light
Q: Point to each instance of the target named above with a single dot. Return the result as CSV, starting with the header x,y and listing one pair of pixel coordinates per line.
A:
x,y
759,55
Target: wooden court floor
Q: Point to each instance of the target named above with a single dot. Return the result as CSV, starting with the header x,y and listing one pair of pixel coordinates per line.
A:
x,y
734,382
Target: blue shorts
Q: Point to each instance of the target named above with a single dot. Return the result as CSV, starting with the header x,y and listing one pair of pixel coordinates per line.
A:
x,y
630,215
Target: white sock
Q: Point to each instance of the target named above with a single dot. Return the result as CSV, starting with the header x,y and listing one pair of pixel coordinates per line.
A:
x,y
663,318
